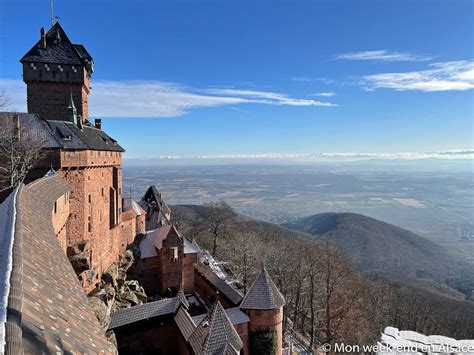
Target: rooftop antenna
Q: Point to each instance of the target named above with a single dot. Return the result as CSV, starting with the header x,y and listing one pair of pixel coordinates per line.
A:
x,y
53,18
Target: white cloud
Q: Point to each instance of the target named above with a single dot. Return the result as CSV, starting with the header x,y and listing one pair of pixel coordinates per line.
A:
x,y
384,55
326,157
446,76
267,97
159,99
324,94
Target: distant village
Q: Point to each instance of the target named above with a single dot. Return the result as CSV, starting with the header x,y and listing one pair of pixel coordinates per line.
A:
x,y
93,271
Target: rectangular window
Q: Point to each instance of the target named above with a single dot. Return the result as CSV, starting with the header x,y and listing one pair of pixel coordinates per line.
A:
x,y
55,207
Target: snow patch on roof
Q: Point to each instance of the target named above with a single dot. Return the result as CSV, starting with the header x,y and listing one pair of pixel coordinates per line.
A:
x,y
147,245
7,237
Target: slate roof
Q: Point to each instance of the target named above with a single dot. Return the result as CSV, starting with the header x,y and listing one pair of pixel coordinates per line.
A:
x,y
152,194
235,315
48,311
263,294
143,311
227,290
64,135
215,334
59,50
184,322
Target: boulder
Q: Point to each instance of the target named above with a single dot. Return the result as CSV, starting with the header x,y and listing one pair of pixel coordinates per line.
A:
x,y
78,248
81,262
110,276
100,309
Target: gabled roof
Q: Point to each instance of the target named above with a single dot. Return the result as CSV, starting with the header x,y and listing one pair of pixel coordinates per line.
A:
x,y
143,311
59,50
215,334
224,288
236,316
63,134
48,311
153,195
263,294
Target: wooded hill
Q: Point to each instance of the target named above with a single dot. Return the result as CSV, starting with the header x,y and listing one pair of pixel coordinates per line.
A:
x,y
329,300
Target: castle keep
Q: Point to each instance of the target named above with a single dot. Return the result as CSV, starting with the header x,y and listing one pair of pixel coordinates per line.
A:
x,y
69,222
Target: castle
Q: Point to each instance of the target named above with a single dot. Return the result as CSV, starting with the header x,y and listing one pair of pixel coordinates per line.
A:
x,y
71,213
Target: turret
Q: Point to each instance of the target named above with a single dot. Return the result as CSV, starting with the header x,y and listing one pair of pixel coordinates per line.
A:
x,y
54,69
264,303
72,111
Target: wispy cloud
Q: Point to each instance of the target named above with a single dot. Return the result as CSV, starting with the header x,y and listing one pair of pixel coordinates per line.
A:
x,y
446,76
309,79
384,55
152,99
267,97
324,94
323,157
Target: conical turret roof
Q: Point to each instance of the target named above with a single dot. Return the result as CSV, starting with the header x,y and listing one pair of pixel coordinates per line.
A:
x,y
263,294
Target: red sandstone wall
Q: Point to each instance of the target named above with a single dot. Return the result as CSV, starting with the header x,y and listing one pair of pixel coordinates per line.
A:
x,y
208,292
150,271
265,319
90,175
188,272
59,219
243,331
171,270
140,225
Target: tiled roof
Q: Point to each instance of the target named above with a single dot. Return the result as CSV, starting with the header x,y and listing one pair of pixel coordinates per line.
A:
x,y
48,309
190,247
263,294
129,204
184,322
143,311
63,134
59,50
161,235
227,290
215,334
147,245
235,315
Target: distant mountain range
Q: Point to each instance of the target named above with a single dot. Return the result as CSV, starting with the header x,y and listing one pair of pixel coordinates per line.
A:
x,y
389,252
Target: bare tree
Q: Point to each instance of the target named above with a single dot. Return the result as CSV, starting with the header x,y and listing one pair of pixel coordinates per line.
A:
x,y
218,217
20,150
4,100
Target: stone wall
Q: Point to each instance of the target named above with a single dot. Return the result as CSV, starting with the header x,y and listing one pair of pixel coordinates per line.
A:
x,y
188,272
268,319
208,292
171,267
243,331
49,88
59,219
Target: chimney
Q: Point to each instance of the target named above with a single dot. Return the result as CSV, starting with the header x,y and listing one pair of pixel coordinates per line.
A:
x,y
16,126
42,39
98,123
80,122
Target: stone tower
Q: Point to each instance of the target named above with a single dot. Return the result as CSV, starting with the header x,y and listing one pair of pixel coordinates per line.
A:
x,y
264,305
53,70
57,74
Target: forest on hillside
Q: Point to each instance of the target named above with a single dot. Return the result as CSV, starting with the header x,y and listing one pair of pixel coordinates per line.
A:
x,y
328,301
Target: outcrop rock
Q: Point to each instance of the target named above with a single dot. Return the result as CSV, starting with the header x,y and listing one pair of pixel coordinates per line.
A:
x,y
101,310
110,276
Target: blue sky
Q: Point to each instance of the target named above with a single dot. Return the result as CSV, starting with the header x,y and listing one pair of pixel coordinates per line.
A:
x,y
200,78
